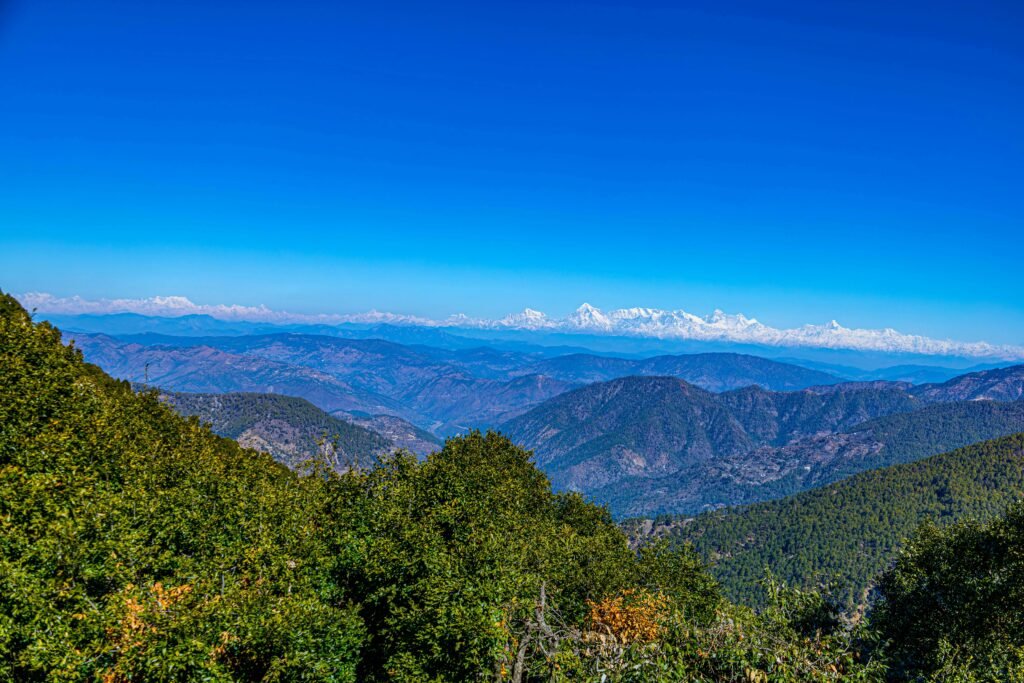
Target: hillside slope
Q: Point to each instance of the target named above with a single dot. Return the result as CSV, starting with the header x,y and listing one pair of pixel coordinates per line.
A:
x,y
652,445
290,429
611,439
850,530
401,433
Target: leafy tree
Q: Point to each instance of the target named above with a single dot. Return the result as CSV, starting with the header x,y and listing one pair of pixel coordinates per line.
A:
x,y
137,545
952,606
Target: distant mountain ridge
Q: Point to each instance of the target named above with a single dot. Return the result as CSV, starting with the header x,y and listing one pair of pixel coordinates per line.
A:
x,y
912,373
445,391
205,369
1000,384
365,376
711,371
627,322
596,438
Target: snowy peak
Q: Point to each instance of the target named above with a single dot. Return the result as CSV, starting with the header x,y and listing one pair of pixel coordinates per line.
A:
x,y
718,326
587,317
528,319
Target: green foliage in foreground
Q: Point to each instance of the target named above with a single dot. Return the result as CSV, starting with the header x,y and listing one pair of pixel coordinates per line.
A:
x,y
136,545
846,533
952,607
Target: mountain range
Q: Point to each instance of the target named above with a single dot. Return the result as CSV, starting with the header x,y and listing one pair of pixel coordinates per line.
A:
x,y
444,391
649,445
662,434
720,326
133,531
637,322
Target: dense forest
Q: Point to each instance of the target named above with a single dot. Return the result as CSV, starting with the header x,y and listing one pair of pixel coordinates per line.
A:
x,y
843,534
137,545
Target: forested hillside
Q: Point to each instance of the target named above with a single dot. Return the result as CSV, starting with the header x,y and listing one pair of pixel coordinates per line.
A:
x,y
137,545
290,429
771,472
652,445
847,532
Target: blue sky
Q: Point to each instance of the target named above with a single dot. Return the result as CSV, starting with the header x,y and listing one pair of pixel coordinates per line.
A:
x,y
795,161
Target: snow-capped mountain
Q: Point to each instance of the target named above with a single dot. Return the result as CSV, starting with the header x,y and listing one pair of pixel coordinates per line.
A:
x,y
587,319
737,328
528,319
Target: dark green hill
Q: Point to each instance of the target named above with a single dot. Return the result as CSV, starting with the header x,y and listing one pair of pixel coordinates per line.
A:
x,y
289,428
849,531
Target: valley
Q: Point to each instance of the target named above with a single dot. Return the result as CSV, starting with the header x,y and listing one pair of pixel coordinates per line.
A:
x,y
648,446
511,342
665,434
839,537
407,536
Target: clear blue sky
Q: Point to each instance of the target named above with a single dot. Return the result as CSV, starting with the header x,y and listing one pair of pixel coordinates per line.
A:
x,y
795,161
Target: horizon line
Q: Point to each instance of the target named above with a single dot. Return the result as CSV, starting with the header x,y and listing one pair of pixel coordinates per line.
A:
x,y
638,322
